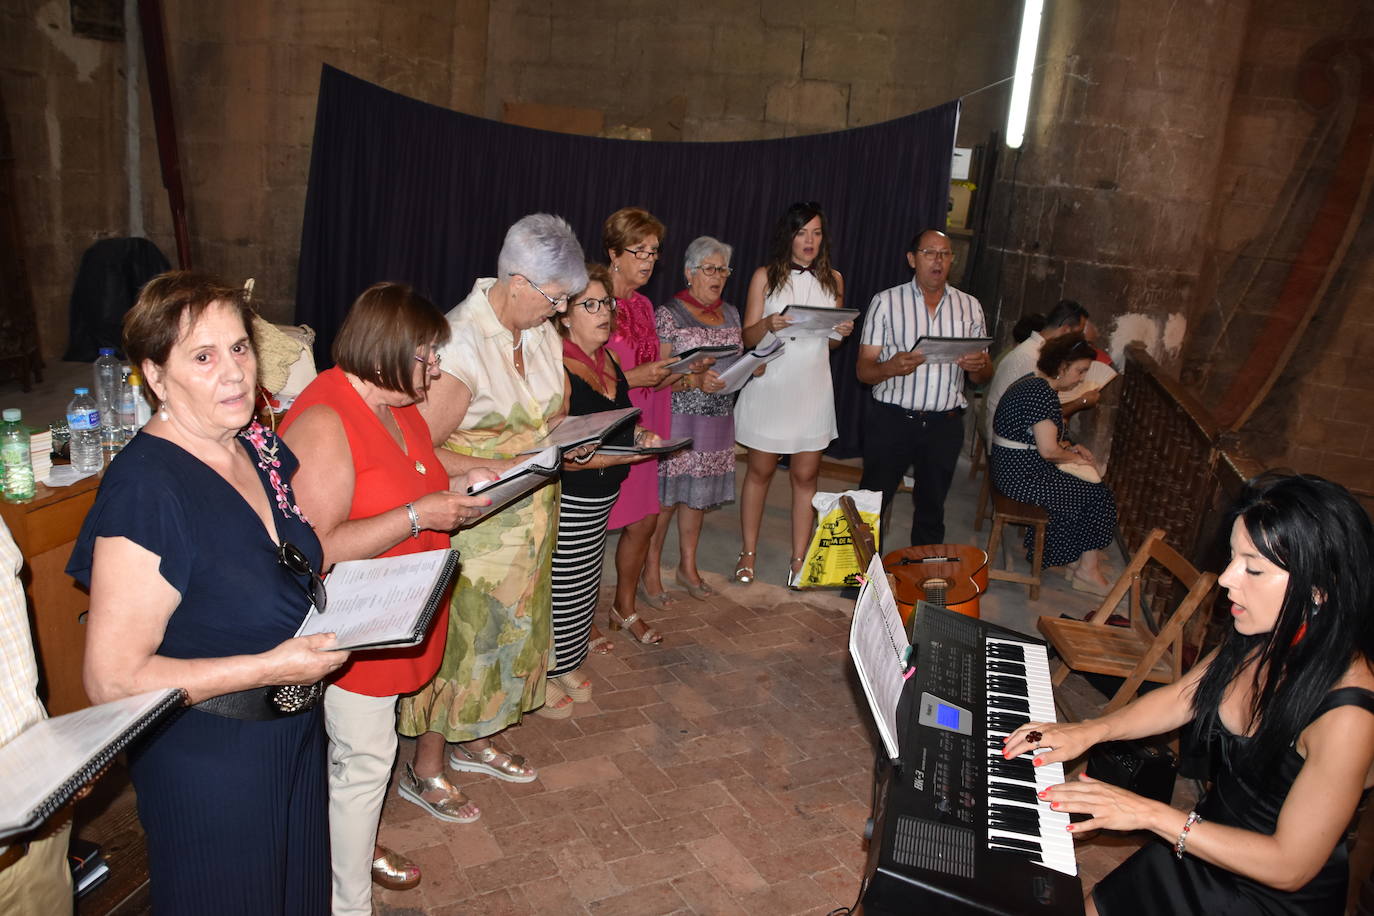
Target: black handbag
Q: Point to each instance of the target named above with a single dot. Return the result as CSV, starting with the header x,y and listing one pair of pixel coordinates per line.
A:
x,y
1143,768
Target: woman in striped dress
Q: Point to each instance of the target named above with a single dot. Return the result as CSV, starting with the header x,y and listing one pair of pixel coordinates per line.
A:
x,y
594,382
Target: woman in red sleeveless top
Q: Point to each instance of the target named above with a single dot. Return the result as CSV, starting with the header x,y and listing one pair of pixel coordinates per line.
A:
x,y
372,486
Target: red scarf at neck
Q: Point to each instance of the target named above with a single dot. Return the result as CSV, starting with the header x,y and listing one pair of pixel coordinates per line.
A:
x,y
572,351
691,300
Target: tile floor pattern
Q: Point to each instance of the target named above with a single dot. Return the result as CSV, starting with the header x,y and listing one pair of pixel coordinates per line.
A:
x,y
728,771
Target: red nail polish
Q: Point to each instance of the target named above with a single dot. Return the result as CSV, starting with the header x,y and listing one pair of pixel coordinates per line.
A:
x,y
1042,793
1039,761
1069,828
1054,804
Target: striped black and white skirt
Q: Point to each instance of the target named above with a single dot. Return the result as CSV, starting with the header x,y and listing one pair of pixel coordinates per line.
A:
x,y
577,576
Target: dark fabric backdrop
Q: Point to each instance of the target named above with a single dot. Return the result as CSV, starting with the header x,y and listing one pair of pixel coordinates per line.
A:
x,y
406,191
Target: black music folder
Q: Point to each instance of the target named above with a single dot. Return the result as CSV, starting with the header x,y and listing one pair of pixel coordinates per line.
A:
x,y
384,602
46,764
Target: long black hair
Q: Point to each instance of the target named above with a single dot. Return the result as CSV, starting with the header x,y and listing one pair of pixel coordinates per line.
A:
x,y
1315,531
780,248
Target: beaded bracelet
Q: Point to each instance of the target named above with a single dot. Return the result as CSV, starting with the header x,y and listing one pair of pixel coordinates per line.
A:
x,y
1193,818
414,520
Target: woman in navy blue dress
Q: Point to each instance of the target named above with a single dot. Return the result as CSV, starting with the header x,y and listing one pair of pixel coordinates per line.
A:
x,y
1028,452
201,568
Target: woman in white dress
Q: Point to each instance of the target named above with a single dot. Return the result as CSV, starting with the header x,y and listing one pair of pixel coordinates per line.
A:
x,y
790,410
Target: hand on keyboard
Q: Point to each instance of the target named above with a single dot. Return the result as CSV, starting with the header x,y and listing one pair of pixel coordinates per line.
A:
x,y
1110,807
1065,740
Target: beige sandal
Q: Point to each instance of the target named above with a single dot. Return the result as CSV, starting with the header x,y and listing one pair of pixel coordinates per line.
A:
x,y
575,684
557,703
450,808
650,636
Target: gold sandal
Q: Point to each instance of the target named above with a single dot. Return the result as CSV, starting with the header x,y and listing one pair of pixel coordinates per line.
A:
x,y
493,762
744,574
394,871
450,808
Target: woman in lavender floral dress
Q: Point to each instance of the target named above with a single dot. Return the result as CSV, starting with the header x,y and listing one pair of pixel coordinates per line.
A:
x,y
702,477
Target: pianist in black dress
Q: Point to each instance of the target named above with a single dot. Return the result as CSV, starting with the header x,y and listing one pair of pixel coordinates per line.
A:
x,y
1286,705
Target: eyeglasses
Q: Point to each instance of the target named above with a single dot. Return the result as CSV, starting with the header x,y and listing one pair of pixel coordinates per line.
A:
x,y
714,270
559,303
432,361
595,305
933,254
290,556
644,254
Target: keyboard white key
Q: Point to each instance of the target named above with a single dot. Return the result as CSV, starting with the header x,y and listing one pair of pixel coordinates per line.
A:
x,y
1034,702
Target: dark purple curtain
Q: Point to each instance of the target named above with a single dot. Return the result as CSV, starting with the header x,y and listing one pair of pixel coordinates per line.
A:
x,y
406,191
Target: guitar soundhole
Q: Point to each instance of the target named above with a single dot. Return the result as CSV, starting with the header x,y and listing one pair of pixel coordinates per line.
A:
x,y
935,590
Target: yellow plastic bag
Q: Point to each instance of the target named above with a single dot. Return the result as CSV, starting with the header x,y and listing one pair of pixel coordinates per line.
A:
x,y
830,561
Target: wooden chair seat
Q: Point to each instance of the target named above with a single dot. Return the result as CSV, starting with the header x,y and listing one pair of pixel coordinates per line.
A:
x,y
1007,511
1136,653
1116,651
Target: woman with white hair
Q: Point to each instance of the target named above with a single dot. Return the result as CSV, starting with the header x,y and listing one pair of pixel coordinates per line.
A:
x,y
694,480
501,390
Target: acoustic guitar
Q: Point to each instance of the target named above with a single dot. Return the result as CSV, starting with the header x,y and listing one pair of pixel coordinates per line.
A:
x,y
949,575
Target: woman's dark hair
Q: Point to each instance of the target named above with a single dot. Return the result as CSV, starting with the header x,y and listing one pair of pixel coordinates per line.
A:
x,y
596,273
152,326
384,328
1058,352
780,248
1315,531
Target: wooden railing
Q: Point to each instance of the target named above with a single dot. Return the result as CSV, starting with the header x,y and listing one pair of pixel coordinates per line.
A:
x,y
1171,467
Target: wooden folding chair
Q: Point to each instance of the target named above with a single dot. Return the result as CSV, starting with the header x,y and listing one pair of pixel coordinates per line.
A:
x,y
1136,653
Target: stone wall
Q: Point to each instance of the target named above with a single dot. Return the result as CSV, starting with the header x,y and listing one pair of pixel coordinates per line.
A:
x,y
1110,202
1276,169
751,69
245,75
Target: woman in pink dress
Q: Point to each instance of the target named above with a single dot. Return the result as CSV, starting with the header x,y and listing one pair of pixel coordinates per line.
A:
x,y
631,237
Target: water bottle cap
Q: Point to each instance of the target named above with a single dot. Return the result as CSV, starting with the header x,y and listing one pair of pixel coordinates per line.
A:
x,y
11,414
81,391
107,351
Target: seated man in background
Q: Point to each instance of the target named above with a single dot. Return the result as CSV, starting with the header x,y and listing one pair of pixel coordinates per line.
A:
x,y
1066,317
34,877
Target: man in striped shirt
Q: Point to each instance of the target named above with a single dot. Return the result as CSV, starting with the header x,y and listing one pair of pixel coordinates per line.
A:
x,y
915,419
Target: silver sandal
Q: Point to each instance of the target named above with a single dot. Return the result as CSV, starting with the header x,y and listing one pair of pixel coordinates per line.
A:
x,y
492,762
413,788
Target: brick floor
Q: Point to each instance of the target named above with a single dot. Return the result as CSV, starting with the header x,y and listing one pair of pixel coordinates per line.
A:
x,y
727,771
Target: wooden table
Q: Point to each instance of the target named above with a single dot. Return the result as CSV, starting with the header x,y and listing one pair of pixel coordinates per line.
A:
x,y
45,528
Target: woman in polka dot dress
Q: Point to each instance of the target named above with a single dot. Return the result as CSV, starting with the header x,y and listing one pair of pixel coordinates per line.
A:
x,y
1028,449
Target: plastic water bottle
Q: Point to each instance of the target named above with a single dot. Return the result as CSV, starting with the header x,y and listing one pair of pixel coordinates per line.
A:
x,y
14,454
126,407
83,419
142,410
107,379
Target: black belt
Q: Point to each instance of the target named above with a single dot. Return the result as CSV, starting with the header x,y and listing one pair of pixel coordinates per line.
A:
x,y
255,705
920,414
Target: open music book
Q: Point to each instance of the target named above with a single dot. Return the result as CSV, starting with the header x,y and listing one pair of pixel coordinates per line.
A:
x,y
949,349
582,429
50,761
814,320
664,448
530,474
878,644
685,359
737,374
385,601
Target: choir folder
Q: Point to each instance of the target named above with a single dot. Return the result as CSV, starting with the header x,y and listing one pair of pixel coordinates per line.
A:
x,y
46,764
384,602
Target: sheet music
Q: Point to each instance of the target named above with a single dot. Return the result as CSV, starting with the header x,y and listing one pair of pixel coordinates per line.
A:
x,y
815,320
688,357
738,373
949,349
878,644
46,755
587,427
668,446
528,475
378,600
1099,376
